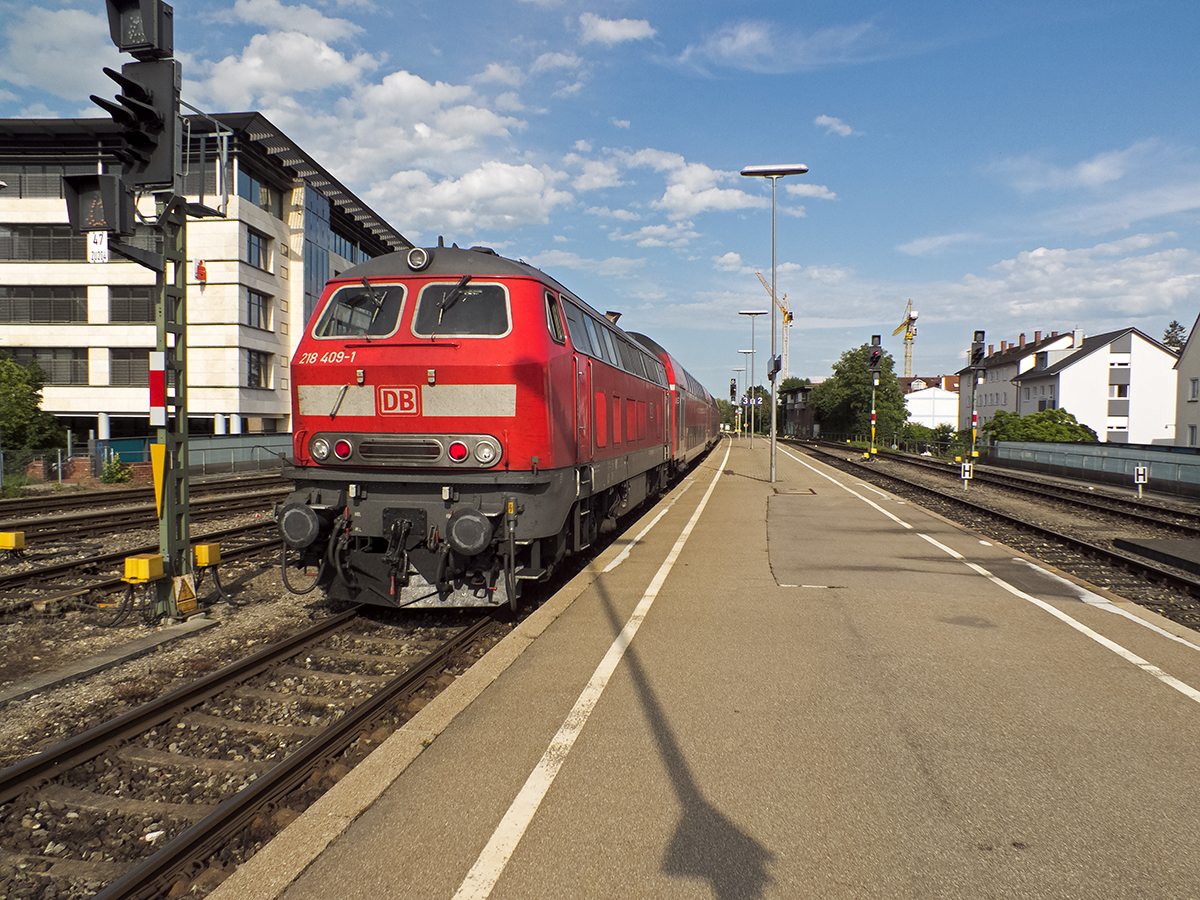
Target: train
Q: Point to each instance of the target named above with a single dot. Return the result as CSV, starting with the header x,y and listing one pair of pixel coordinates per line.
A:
x,y
462,422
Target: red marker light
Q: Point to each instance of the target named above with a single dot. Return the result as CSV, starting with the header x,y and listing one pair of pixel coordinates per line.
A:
x,y
342,449
458,451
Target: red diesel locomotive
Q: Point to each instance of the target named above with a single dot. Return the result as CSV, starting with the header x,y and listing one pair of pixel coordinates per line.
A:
x,y
462,422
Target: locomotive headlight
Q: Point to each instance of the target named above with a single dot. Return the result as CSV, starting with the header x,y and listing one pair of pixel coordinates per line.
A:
x,y
485,453
457,451
320,448
418,258
342,449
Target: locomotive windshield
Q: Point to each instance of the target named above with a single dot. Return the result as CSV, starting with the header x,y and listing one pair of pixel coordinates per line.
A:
x,y
362,311
464,309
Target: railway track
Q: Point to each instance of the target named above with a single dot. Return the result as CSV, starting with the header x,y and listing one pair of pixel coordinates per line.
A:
x,y
182,789
51,502
1171,592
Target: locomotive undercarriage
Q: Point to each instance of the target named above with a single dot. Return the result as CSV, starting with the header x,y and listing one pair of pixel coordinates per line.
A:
x,y
421,542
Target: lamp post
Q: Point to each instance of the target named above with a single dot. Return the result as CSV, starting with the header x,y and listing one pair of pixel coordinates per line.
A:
x,y
752,313
774,173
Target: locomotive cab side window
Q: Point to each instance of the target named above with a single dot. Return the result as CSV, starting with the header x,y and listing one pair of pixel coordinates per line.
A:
x,y
579,335
464,308
356,311
553,320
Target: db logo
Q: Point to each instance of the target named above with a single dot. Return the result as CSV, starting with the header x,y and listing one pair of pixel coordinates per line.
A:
x,y
398,401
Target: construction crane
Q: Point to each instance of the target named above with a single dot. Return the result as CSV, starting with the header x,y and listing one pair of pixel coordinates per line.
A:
x,y
787,322
909,327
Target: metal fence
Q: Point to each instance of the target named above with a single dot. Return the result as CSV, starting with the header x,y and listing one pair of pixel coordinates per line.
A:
x,y
214,454
1171,470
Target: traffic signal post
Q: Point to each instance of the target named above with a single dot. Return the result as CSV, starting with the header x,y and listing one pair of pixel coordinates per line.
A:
x,y
105,206
874,362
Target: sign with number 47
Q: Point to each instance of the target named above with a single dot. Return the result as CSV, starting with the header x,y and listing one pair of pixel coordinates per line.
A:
x,y
97,246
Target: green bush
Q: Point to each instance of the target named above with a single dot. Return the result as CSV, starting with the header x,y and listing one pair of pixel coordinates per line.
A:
x,y
115,472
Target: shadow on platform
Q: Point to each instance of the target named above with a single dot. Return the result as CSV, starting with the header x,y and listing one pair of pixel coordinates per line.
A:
x,y
706,844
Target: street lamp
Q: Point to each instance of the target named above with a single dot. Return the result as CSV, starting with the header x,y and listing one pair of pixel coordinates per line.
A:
x,y
750,384
774,173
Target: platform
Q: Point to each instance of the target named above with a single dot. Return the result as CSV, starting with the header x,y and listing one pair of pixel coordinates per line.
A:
x,y
806,689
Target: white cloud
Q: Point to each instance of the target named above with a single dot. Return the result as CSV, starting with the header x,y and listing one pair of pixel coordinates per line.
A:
x,y
1134,206
613,31
496,196
548,62
766,47
730,262
1111,281
596,173
800,189
303,19
678,235
613,266
929,245
833,126
276,66
621,123
498,73
622,214
61,52
692,188
1029,174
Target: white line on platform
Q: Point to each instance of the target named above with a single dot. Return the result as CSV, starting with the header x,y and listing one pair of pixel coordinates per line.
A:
x,y
624,554
848,490
495,856
1187,690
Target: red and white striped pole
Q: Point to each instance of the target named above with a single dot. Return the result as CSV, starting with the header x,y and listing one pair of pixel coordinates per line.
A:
x,y
158,389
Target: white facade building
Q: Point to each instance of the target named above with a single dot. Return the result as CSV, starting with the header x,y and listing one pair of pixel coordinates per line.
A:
x,y
932,407
993,391
253,277
1121,384
1187,401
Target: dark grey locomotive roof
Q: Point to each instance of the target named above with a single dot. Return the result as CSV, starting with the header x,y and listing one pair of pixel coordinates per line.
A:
x,y
452,261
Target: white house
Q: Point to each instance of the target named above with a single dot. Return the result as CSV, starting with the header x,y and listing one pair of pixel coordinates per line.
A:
x,y
1187,402
932,407
1121,384
993,390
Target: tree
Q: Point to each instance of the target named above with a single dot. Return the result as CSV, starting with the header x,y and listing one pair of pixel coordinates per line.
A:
x,y
24,425
1175,336
843,402
1047,425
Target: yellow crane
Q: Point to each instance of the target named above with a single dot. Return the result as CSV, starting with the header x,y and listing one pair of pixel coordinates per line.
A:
x,y
909,327
787,323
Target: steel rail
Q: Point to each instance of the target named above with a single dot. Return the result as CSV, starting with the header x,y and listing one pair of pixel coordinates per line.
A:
x,y
30,773
149,878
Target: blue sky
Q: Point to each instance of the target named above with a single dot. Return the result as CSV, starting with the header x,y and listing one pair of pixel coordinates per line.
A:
x,y
1012,166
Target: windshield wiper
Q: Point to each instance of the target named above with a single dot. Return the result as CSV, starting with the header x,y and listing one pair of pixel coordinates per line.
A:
x,y
452,297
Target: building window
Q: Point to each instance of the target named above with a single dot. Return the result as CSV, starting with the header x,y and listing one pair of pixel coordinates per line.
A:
x,y
261,194
42,243
1191,435
43,305
258,247
61,365
132,304
1195,392
258,310
128,366
1118,391
258,369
